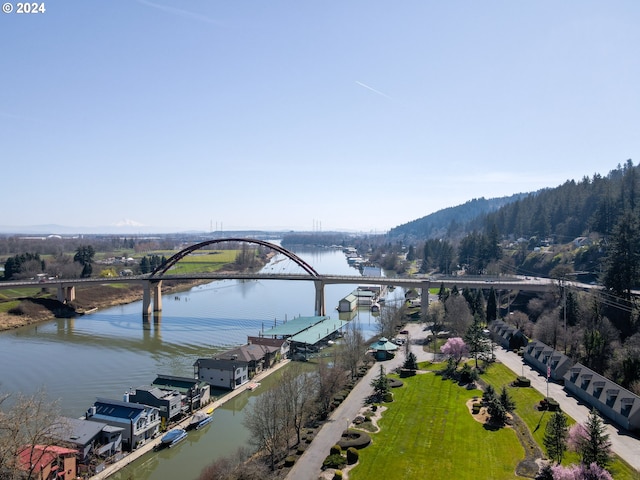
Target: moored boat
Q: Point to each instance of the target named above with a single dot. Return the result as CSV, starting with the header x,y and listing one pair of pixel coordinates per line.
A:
x,y
199,420
173,436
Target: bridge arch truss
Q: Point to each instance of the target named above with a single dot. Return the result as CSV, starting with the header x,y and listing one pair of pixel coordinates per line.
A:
x,y
161,270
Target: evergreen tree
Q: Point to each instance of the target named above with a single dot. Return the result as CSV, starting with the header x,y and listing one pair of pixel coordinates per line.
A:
x,y
380,385
492,306
591,441
555,437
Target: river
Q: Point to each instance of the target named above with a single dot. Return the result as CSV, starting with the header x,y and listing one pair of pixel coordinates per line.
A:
x,y
105,353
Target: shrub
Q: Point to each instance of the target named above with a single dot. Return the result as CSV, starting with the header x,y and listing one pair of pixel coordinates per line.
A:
x,y
334,461
337,475
289,461
388,397
301,449
354,438
352,455
523,382
336,450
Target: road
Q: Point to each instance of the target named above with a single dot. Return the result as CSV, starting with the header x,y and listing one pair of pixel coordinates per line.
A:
x,y
309,465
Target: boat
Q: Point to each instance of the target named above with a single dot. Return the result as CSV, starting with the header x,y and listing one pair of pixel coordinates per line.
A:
x,y
173,436
375,307
210,411
199,420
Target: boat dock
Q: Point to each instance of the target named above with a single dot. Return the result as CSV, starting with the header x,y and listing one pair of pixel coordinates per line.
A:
x,y
152,445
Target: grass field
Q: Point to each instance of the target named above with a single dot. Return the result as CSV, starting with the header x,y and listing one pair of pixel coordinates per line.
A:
x,y
205,262
428,432
526,400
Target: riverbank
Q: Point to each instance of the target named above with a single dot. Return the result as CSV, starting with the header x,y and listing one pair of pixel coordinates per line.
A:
x,y
148,448
35,310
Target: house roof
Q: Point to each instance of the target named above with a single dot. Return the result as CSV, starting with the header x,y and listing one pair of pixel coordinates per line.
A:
x,y
220,363
41,454
249,353
180,384
106,408
295,326
317,332
77,431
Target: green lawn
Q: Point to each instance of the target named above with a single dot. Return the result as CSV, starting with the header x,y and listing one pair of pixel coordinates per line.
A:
x,y
428,432
526,400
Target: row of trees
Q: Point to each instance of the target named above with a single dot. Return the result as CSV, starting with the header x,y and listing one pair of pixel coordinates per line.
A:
x,y
29,265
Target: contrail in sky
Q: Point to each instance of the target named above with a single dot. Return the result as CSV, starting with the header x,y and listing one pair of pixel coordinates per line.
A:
x,y
178,11
373,89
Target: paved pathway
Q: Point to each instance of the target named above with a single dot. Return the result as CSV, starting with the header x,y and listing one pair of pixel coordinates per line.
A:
x,y
309,465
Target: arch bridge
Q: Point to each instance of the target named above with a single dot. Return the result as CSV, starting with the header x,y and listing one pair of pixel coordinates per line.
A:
x,y
153,287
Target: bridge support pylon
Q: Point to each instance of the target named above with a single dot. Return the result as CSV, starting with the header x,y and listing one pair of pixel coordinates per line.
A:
x,y
424,300
319,304
66,294
152,289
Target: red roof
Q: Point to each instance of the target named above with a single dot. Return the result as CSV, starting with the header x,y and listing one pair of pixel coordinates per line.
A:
x,y
42,455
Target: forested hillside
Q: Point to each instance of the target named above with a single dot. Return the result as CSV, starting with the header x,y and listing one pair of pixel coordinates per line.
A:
x,y
571,210
453,221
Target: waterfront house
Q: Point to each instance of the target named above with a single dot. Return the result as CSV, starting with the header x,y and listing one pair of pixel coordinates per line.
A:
x,y
92,440
614,402
222,373
259,357
547,360
168,402
139,422
195,393
44,462
281,343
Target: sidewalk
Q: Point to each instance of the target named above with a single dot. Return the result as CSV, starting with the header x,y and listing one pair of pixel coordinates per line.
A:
x,y
150,445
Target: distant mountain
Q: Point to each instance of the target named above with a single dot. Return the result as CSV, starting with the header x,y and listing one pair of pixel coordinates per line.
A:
x,y
453,221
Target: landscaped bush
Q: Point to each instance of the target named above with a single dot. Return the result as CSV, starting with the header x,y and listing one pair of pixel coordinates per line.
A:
x,y
337,475
334,461
388,397
352,455
289,461
354,438
522,382
301,449
335,450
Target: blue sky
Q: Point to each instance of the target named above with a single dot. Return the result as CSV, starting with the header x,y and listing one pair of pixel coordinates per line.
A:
x,y
358,115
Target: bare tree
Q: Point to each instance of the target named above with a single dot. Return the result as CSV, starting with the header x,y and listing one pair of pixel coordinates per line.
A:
x,y
297,390
352,349
27,422
390,318
330,380
457,314
267,422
